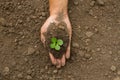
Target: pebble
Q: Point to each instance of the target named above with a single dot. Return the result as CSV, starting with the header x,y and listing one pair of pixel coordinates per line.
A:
x,y
91,12
117,78
119,52
46,67
118,72
2,21
43,14
19,7
92,3
25,59
81,53
100,2
116,59
75,45
31,50
55,71
98,49
110,52
1,28
76,3
29,77
70,11
20,75
29,72
6,70
89,34
87,56
20,21
113,68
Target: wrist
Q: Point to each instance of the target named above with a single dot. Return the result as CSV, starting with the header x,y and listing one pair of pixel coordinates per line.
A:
x,y
58,7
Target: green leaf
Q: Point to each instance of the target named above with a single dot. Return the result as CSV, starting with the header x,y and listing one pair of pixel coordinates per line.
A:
x,y
54,40
57,47
52,45
60,42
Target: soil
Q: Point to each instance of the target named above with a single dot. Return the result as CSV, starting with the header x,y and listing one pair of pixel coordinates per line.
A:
x,y
95,49
58,31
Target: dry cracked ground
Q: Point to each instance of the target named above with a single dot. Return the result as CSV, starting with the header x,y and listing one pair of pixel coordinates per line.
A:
x,y
95,53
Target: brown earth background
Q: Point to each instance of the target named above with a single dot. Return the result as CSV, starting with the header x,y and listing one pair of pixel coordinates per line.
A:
x,y
95,42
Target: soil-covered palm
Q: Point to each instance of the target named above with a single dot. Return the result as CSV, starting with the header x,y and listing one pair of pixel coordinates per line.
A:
x,y
53,19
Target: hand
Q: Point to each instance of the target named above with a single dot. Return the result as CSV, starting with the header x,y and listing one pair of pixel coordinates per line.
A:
x,y
57,62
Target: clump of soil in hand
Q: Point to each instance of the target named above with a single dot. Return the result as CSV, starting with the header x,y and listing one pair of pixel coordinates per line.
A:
x,y
58,31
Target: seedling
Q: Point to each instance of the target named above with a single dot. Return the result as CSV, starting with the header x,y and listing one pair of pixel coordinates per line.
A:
x,y
56,43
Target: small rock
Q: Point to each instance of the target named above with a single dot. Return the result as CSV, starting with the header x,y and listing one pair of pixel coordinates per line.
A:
x,y
100,2
55,71
117,78
110,52
70,11
31,50
91,12
87,56
113,68
13,63
119,52
98,49
29,72
42,70
20,75
19,7
25,59
43,14
96,30
1,28
6,70
33,17
92,3
116,59
81,53
89,34
29,77
118,72
46,67
20,21
76,3
2,21
75,45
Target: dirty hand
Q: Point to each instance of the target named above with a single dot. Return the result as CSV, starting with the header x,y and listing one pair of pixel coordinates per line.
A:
x,y
52,19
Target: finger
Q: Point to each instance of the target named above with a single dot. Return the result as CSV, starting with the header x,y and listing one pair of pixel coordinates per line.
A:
x,y
63,61
68,52
68,48
58,63
53,60
42,38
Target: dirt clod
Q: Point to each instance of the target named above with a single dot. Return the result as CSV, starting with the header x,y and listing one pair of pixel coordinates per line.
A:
x,y
55,71
100,2
76,3
81,53
87,56
89,34
117,78
20,75
113,68
92,3
6,71
2,21
31,50
29,77
118,72
75,45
